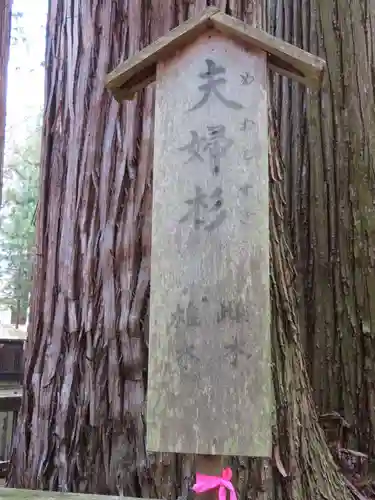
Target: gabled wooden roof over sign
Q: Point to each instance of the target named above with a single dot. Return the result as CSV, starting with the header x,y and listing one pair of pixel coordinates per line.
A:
x,y
137,72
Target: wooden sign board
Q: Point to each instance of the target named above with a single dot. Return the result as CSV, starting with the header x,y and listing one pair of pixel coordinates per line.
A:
x,y
209,389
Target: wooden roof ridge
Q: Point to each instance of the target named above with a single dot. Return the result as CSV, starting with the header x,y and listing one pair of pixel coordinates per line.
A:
x,y
139,70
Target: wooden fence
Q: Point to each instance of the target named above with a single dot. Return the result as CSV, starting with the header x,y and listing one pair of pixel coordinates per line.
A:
x,y
8,422
11,356
11,375
10,400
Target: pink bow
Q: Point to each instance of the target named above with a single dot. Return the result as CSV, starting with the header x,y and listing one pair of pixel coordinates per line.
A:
x,y
205,483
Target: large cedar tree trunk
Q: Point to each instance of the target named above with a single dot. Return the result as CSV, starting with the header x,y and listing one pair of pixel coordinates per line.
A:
x,y
81,424
5,28
329,148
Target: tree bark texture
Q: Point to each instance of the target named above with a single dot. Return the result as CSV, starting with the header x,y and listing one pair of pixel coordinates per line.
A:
x,y
5,28
327,142
81,424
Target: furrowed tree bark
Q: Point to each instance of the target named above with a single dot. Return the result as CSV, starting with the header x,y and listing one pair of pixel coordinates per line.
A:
x,y
81,424
5,23
327,140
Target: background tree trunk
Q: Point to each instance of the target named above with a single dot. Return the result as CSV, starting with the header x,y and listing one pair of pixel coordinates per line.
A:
x,y
81,424
5,24
329,147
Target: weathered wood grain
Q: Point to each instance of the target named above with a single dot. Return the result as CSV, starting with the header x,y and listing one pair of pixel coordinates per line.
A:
x,y
161,48
283,57
8,421
209,363
16,494
139,71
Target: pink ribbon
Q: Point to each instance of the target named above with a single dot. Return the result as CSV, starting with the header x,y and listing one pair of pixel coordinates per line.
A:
x,y
205,483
